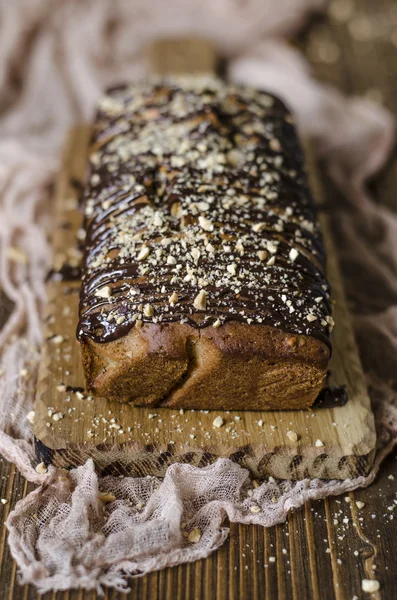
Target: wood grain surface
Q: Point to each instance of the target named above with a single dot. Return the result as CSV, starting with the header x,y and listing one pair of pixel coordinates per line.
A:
x,y
306,571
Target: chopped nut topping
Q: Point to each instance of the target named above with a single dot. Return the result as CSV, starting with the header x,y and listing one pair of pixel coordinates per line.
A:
x,y
275,145
310,317
293,254
143,253
173,298
205,223
196,253
104,292
157,220
319,443
148,310
200,301
239,246
218,206
330,322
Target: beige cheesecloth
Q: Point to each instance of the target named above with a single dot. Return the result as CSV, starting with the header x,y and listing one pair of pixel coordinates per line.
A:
x,y
55,59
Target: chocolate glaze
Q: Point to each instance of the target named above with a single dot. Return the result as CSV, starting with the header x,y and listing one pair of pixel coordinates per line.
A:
x,y
210,178
331,397
73,390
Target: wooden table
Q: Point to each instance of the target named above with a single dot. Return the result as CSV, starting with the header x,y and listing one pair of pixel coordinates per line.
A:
x,y
304,567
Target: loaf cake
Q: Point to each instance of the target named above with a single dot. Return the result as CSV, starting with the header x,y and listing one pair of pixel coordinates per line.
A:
x,y
204,280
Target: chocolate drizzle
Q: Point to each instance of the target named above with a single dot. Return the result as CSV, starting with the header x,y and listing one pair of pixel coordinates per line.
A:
x,y
197,209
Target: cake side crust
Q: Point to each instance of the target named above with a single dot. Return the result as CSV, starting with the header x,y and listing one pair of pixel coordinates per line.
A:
x,y
233,367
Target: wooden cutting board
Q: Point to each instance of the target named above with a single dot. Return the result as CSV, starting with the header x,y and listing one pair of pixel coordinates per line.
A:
x,y
71,425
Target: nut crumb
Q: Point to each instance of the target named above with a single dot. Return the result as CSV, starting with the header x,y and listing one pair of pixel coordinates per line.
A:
x,y
194,536
370,585
106,497
41,468
30,416
255,509
218,422
319,444
292,435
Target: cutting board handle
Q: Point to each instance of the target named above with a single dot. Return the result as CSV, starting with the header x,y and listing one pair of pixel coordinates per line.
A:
x,y
184,55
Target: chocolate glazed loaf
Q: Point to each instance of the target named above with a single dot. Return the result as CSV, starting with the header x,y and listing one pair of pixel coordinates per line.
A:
x,y
203,282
